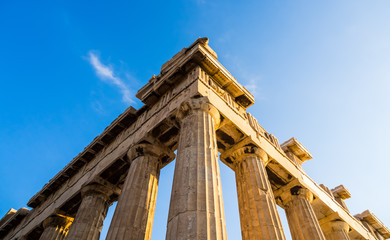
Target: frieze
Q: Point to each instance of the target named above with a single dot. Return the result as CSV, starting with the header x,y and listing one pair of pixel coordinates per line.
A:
x,y
229,100
261,131
227,97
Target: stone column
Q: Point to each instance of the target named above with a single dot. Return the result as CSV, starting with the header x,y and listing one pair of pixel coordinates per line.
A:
x,y
89,219
259,216
301,218
56,227
336,230
133,217
196,209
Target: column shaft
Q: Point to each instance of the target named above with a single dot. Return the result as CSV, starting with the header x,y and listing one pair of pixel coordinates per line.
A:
x,y
301,218
55,227
53,233
89,219
133,217
258,213
196,209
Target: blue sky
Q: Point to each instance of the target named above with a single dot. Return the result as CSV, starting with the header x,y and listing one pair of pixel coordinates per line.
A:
x,y
320,71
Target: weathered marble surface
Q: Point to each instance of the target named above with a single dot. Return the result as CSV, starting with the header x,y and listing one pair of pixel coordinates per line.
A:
x,y
196,209
88,222
259,216
56,227
133,217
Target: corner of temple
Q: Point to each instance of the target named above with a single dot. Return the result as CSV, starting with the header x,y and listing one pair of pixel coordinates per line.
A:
x,y
296,151
341,192
373,223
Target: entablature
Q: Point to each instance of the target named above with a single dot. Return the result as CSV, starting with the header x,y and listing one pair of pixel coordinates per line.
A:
x,y
371,219
11,220
198,53
7,216
89,153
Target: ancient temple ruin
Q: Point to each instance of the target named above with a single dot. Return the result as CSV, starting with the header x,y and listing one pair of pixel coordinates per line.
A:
x,y
194,106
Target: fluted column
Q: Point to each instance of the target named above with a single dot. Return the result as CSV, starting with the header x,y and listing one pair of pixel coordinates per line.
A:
x,y
89,219
259,216
56,227
301,218
196,208
133,217
336,230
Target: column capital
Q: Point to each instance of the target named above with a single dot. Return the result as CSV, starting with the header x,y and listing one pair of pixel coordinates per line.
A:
x,y
97,189
57,220
292,191
335,225
301,192
156,150
243,149
198,104
243,152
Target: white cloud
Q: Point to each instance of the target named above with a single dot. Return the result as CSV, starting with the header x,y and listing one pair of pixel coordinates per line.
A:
x,y
97,106
106,74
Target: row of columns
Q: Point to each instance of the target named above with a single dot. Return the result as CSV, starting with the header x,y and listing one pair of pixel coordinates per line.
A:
x,y
196,208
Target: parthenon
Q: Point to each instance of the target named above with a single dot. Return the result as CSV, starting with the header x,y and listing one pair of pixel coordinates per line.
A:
x,y
198,109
